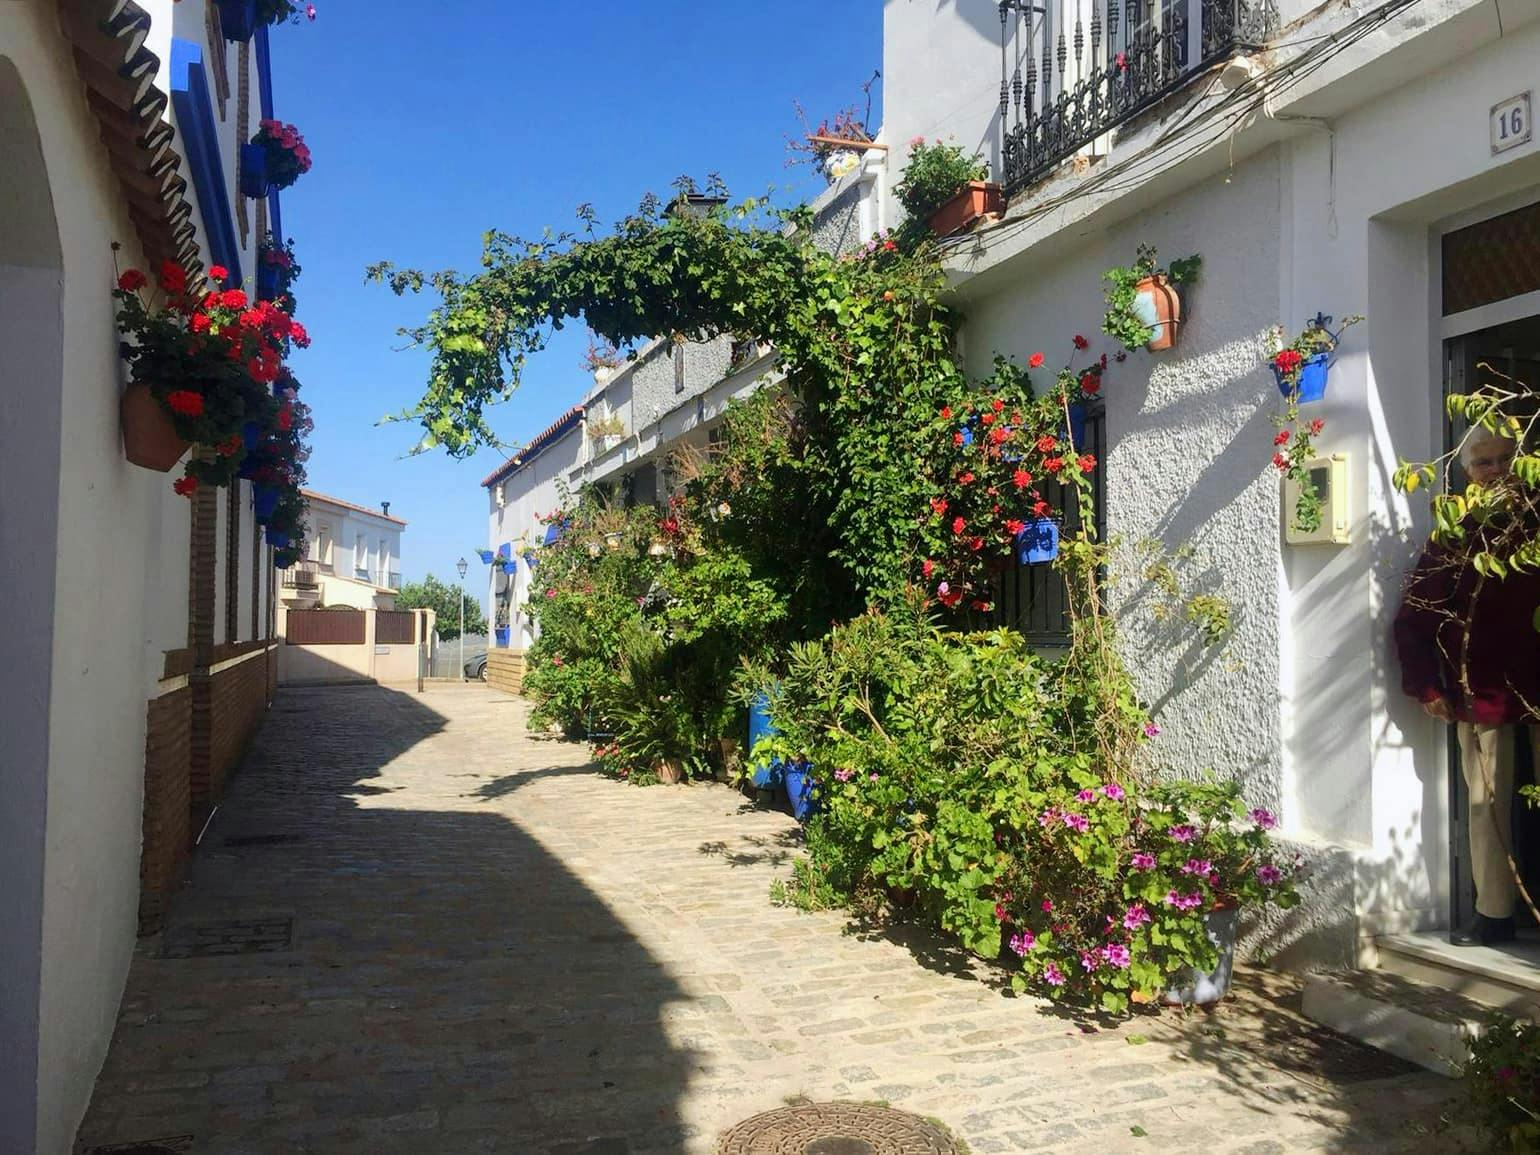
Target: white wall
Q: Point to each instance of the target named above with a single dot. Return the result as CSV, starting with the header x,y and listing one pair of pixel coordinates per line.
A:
x,y
119,524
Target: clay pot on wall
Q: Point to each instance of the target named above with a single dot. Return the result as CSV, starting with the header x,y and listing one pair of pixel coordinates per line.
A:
x,y
670,772
1158,305
150,440
970,202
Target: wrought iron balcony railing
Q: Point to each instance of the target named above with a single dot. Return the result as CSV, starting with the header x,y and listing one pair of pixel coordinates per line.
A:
x,y
1073,70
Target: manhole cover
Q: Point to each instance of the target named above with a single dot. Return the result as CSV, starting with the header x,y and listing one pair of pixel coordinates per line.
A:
x,y
836,1129
221,938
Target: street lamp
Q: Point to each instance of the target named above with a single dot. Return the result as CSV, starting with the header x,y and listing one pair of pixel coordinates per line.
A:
x,y
462,565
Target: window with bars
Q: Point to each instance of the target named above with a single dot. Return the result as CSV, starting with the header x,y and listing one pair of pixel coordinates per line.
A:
x,y
1032,598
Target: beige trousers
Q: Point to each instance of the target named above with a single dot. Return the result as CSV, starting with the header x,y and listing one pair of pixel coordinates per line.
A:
x,y
1486,757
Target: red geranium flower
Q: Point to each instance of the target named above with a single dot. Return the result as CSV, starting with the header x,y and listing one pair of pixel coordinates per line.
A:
x,y
1280,461
1316,426
1021,479
1053,464
218,272
1013,526
946,413
959,524
1035,361
230,446
1287,361
1090,383
976,544
957,438
201,322
965,478
1086,463
233,298
186,402
1282,438
1081,342
938,504
997,405
132,281
185,486
928,568
1041,508
1047,443
987,418
173,278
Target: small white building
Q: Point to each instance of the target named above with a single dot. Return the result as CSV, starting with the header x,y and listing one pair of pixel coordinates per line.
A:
x,y
353,556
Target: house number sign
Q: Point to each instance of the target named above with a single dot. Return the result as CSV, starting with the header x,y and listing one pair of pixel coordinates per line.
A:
x,y
1511,123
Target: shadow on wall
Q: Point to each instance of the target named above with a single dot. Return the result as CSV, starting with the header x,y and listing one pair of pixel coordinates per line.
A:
x,y
447,975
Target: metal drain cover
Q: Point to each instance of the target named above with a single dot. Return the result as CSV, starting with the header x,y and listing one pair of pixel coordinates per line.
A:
x,y
836,1129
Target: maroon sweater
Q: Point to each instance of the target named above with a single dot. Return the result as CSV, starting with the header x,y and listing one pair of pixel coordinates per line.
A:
x,y
1452,616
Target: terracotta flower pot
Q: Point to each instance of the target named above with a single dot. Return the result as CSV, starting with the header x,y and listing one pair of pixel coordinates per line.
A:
x,y
670,772
970,202
149,437
1158,305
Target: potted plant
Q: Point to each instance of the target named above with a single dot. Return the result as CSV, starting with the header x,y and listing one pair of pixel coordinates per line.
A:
x,y
239,19
801,789
277,270
602,359
200,368
1037,542
1144,301
834,146
1300,366
607,431
275,158
946,187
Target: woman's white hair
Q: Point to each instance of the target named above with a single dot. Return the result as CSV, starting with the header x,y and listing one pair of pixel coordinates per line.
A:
x,y
1478,437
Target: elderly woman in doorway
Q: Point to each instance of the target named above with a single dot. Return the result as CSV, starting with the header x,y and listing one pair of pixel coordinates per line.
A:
x,y
1471,655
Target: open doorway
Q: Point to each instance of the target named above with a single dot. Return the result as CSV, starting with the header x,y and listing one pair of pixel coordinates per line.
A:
x,y
1506,350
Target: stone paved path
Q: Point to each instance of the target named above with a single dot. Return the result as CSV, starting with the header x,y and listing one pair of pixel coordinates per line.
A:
x,y
469,941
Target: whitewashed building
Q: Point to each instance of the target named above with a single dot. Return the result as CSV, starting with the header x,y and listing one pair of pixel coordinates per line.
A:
x,y
1366,158
137,609
353,556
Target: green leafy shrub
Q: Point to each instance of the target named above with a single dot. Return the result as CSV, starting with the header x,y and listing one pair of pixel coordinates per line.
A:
x,y
1502,1080
1121,322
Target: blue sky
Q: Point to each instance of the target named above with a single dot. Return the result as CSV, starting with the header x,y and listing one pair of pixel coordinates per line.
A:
x,y
432,122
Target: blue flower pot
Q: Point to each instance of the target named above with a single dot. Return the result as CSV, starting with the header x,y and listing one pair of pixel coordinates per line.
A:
x,y
501,636
276,538
237,19
800,790
765,777
253,171
267,280
1076,430
553,533
486,556
967,434
284,560
1038,541
509,567
251,435
530,559
249,466
264,500
1312,378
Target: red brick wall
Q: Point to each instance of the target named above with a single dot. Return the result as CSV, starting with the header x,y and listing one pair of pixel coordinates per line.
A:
x,y
167,813
227,707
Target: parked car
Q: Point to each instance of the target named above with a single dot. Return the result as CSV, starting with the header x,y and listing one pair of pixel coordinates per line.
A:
x,y
476,667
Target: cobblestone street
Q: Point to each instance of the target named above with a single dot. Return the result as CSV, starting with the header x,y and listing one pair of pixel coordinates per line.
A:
x,y
412,927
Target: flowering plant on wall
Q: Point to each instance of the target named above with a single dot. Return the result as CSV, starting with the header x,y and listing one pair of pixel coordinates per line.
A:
x,y
277,270
1294,443
996,453
935,171
207,361
288,157
283,11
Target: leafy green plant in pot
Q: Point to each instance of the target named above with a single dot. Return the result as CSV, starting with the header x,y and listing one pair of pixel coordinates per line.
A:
x,y
1144,300
946,187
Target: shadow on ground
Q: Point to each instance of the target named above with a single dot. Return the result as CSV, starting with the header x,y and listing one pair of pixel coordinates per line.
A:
x,y
446,985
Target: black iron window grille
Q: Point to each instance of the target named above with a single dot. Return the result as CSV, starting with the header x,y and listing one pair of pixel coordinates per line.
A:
x,y
1073,70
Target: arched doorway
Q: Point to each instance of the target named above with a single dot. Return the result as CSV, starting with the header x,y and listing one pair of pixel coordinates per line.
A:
x,y
31,368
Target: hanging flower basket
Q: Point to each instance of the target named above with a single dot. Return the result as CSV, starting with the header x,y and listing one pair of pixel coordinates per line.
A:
x,y
1159,306
269,280
284,558
1038,541
264,501
1076,430
500,635
149,436
1311,384
967,205
237,19
276,538
284,158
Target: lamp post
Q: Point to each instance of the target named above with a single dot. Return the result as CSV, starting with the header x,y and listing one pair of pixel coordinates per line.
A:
x,y
462,565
